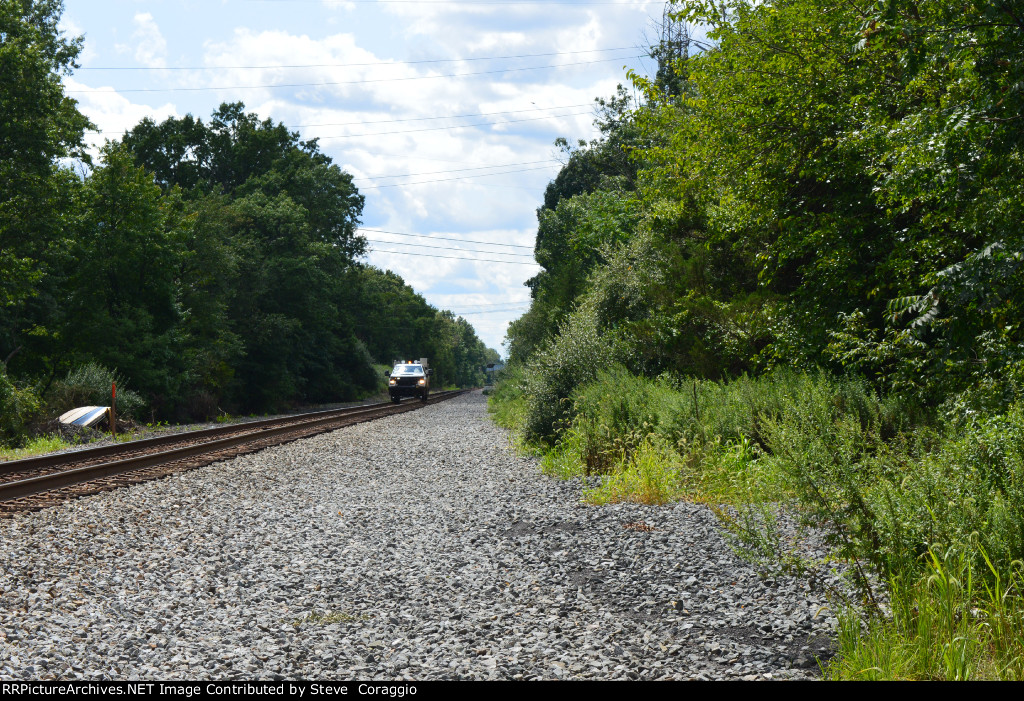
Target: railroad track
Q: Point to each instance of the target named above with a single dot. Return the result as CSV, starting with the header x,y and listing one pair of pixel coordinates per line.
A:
x,y
36,483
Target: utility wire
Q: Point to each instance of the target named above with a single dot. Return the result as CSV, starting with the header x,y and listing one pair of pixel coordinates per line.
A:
x,y
451,249
506,308
471,3
347,65
347,82
471,260
394,121
446,180
444,238
457,170
498,311
453,116
456,126
498,304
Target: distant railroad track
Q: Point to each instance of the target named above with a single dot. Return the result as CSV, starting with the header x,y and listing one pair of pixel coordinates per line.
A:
x,y
36,483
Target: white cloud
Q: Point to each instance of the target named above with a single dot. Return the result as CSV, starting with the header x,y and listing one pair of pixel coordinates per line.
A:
x,y
151,50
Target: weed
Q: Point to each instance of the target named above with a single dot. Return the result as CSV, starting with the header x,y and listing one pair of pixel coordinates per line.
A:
x,y
36,446
947,624
650,475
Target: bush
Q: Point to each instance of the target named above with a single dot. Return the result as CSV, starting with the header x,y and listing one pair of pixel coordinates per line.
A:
x,y
575,358
19,407
885,502
972,482
90,384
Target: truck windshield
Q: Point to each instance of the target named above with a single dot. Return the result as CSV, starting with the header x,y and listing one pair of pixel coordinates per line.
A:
x,y
408,370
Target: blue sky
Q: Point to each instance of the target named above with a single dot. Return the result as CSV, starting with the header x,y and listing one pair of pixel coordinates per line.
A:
x,y
445,112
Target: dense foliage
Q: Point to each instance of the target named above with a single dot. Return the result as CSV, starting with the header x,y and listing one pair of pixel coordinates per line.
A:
x,y
213,266
806,288
830,185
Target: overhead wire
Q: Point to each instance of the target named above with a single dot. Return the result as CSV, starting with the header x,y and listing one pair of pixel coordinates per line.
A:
x,y
457,170
452,116
455,126
444,238
462,258
496,304
394,121
484,3
349,65
446,180
499,311
450,249
345,82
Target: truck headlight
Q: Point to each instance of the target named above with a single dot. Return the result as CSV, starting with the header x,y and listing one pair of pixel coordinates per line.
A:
x,y
422,382
392,382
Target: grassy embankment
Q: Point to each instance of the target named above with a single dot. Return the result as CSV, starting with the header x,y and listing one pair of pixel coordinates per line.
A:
x,y
932,506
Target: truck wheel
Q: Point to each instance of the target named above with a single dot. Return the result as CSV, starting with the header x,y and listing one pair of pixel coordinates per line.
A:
x,y
423,397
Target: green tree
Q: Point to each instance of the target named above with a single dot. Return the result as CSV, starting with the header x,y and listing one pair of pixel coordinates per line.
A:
x,y
288,216
39,126
123,307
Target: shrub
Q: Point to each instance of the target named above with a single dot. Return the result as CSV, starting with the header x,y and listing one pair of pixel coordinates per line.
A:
x,y
19,406
883,503
573,359
90,384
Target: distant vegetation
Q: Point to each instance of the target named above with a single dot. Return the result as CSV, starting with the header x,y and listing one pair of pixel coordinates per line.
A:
x,y
211,266
789,281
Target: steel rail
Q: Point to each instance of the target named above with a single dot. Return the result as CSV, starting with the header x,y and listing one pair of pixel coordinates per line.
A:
x,y
54,459
66,478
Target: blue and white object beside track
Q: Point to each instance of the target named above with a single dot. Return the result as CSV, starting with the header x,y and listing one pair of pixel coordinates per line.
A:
x,y
85,416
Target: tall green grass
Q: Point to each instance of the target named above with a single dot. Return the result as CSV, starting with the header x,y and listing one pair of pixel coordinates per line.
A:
x,y
951,622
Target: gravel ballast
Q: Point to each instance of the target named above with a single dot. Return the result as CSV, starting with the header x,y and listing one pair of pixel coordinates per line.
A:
x,y
418,546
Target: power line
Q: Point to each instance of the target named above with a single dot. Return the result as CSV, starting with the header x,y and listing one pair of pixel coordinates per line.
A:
x,y
443,238
497,304
450,249
346,82
456,126
446,128
445,180
457,170
471,260
497,311
496,3
348,65
453,116
393,121
504,308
